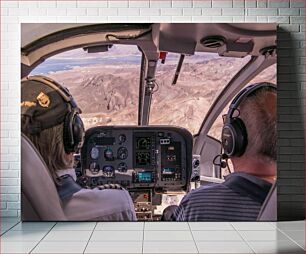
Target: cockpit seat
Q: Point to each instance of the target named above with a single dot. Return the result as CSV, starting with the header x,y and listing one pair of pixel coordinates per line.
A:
x,y
40,200
268,211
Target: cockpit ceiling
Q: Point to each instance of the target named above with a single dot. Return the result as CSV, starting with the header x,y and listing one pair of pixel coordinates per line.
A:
x,y
33,32
177,37
40,41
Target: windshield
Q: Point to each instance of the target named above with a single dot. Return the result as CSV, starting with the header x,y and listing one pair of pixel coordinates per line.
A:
x,y
105,85
267,75
202,78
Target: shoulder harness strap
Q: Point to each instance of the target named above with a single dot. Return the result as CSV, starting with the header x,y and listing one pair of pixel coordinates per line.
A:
x,y
67,187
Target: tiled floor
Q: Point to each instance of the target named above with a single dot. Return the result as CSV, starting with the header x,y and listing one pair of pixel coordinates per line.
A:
x,y
152,237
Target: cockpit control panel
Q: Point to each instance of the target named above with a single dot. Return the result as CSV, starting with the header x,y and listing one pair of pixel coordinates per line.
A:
x,y
144,160
138,157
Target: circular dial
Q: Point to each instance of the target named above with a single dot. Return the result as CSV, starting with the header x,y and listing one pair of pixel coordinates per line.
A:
x,y
122,153
122,167
108,154
94,168
122,138
94,153
108,171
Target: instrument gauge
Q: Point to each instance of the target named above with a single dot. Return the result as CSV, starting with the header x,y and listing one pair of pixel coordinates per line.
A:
x,y
122,138
122,167
122,153
94,168
94,153
108,154
108,171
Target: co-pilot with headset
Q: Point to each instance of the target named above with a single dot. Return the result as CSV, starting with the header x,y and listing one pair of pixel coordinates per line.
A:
x,y
249,141
50,119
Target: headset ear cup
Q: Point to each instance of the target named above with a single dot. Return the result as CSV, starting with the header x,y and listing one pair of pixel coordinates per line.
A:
x,y
78,132
234,138
228,139
67,133
73,132
240,136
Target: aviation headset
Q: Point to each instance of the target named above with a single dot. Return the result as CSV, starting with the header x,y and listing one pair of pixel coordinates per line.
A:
x,y
234,136
73,132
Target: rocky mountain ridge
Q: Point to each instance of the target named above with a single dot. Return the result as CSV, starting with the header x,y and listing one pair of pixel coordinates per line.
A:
x,y
108,94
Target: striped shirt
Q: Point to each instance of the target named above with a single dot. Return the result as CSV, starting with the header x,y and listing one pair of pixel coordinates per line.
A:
x,y
239,198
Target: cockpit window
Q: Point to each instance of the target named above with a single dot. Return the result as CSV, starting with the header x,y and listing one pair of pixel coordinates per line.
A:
x,y
267,75
202,78
105,85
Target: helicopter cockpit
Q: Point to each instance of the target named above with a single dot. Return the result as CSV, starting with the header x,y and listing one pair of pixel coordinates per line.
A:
x,y
157,159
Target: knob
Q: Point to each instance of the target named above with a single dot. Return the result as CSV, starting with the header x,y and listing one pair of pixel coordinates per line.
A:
x,y
94,181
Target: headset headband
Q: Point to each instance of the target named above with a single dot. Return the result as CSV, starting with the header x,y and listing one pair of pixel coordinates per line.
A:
x,y
244,94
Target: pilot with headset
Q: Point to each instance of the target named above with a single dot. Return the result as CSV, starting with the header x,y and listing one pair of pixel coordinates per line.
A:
x,y
50,119
249,141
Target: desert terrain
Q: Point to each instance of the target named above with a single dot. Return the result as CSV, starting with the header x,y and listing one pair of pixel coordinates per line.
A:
x,y
107,92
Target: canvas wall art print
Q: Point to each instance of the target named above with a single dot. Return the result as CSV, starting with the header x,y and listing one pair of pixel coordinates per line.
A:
x,y
148,122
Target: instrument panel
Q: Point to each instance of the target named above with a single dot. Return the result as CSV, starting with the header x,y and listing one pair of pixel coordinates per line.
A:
x,y
145,157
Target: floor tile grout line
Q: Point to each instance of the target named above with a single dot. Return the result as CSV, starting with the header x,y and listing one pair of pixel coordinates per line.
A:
x,y
90,237
10,228
158,240
290,238
232,226
42,238
256,229
247,243
193,237
272,224
143,232
291,230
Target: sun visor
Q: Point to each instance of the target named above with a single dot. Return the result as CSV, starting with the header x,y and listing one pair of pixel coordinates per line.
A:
x,y
236,49
171,38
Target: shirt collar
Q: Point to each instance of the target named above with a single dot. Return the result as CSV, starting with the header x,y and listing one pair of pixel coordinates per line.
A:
x,y
68,171
252,178
248,185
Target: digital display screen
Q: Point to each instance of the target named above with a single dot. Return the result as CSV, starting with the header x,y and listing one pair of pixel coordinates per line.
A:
x,y
143,150
104,141
143,143
145,177
143,158
168,171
